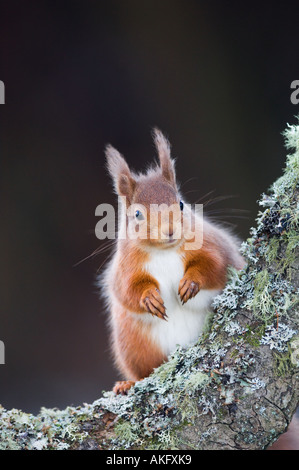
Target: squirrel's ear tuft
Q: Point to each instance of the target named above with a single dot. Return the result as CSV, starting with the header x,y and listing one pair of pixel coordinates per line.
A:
x,y
166,162
123,180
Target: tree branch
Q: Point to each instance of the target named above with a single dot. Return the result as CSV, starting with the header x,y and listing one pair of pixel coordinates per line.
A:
x,y
236,388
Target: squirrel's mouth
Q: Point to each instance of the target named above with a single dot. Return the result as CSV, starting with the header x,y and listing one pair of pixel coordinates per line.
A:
x,y
170,242
163,241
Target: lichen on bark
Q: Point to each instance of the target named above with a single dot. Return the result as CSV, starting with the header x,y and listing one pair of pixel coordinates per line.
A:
x,y
235,388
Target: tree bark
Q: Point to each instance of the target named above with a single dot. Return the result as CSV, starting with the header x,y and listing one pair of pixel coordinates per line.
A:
x,y
236,388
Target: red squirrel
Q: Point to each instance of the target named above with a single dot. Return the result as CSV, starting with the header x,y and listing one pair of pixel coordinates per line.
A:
x,y
158,290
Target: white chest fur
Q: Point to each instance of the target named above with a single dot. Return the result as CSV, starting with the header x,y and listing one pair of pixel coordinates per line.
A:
x,y
185,322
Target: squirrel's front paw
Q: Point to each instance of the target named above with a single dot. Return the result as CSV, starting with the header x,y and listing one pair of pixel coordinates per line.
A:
x,y
121,388
187,289
152,302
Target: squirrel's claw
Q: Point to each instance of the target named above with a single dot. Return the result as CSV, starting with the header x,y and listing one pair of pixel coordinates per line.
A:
x,y
153,303
121,388
187,289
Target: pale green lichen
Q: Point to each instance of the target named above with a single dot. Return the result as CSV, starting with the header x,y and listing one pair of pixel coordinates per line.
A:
x,y
294,355
167,369
272,250
292,245
283,362
125,433
186,394
278,337
50,429
262,301
167,439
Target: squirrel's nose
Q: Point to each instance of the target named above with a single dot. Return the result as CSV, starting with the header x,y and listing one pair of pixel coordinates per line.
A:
x,y
168,232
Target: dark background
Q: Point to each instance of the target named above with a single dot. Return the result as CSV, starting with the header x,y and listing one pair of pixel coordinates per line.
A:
x,y
214,76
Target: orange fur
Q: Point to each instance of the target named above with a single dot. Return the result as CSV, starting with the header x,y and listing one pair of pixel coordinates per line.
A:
x,y
129,283
135,354
207,266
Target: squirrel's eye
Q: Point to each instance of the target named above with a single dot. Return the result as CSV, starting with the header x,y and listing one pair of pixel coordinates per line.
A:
x,y
181,205
138,215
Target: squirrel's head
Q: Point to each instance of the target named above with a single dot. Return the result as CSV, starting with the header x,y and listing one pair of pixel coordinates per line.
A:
x,y
154,209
